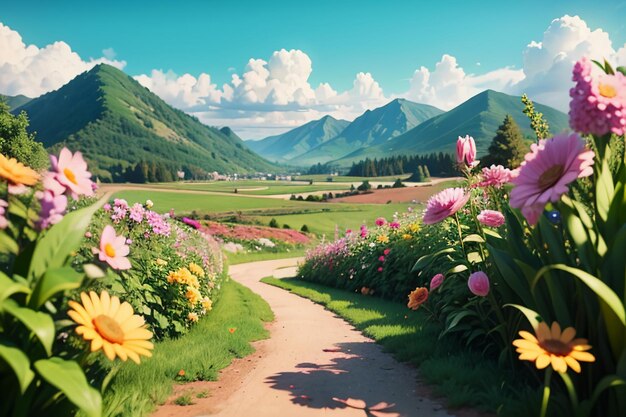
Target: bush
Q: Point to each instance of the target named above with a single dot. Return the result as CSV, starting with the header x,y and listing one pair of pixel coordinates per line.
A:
x,y
365,186
286,226
273,223
304,228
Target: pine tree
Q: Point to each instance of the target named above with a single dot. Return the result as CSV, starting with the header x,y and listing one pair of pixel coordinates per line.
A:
x,y
507,147
426,172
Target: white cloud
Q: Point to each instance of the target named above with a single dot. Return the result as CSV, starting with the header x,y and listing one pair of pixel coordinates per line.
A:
x,y
32,71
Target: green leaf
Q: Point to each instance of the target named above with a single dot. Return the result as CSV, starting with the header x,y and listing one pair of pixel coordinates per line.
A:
x,y
474,238
604,188
608,68
474,257
8,287
609,381
41,324
456,269
61,240
18,361
425,260
621,69
70,379
603,291
7,244
52,282
531,315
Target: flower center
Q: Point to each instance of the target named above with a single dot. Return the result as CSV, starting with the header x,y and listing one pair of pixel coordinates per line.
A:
x,y
556,347
550,176
607,90
109,329
69,174
109,250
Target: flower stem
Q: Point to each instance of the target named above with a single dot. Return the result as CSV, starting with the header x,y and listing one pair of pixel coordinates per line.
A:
x,y
458,225
546,392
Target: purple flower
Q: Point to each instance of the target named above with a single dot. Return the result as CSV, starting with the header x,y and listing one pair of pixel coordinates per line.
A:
x,y
52,209
136,212
436,281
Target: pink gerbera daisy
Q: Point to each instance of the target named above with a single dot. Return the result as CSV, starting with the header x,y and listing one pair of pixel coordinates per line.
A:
x,y
113,249
548,169
496,176
71,172
444,204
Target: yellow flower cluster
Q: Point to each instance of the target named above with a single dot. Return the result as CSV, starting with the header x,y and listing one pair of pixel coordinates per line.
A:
x,y
382,239
207,304
414,227
183,276
193,295
407,236
196,270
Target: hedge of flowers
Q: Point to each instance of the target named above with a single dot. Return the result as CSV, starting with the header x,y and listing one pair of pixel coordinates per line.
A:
x,y
244,238
524,263
82,280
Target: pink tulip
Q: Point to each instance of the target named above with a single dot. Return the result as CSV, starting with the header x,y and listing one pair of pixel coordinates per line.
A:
x,y
466,150
113,249
478,283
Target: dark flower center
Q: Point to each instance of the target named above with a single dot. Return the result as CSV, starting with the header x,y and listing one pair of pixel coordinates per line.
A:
x,y
550,177
556,347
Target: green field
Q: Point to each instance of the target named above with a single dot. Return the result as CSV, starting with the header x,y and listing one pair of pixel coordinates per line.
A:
x,y
255,187
341,178
320,218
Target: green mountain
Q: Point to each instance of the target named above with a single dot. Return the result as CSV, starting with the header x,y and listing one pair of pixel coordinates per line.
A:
x,y
298,141
15,101
117,123
478,117
371,128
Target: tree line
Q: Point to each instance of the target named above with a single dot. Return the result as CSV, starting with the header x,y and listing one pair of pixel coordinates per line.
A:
x,y
438,164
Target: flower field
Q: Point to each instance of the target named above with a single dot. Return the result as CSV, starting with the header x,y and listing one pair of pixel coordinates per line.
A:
x,y
86,283
524,264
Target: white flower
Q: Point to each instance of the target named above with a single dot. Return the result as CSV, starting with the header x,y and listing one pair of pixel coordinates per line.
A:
x,y
149,203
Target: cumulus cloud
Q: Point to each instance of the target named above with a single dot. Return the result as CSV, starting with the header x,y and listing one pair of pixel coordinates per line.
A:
x,y
32,71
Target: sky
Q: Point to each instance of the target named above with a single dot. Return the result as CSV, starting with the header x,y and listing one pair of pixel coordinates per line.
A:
x,y
265,67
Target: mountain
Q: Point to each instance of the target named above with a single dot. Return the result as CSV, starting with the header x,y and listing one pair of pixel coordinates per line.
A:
x,y
299,140
15,101
478,117
115,121
371,128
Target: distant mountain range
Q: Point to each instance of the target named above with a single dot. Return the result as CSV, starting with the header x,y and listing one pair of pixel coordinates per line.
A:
x,y
15,101
300,140
404,127
117,122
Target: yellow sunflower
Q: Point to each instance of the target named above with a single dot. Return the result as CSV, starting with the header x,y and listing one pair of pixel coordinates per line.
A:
x,y
17,173
111,326
551,346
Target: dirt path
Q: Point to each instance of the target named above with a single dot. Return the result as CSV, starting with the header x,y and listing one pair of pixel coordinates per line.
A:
x,y
311,358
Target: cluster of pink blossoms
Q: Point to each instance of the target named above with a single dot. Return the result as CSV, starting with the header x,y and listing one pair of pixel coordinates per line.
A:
x,y
598,104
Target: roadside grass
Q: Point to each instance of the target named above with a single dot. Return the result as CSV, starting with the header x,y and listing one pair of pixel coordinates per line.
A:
x,y
463,378
199,355
241,257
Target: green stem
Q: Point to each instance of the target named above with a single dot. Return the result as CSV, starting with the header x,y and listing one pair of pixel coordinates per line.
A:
x,y
458,225
546,392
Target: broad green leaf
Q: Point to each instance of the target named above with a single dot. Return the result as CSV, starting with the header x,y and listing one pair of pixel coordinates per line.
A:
x,y
492,233
425,260
474,238
609,381
511,274
474,257
456,269
603,291
604,188
52,282
70,379
61,240
621,69
531,315
8,287
93,271
18,361
41,324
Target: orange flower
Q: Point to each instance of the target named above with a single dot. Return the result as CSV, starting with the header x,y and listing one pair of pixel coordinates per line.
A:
x,y
417,298
16,173
232,330
181,372
551,346
365,290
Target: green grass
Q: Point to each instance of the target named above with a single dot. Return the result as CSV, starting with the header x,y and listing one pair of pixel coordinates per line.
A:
x,y
320,218
464,378
251,187
206,349
342,178
241,257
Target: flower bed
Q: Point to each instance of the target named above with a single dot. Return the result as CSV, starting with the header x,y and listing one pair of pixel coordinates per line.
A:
x,y
543,260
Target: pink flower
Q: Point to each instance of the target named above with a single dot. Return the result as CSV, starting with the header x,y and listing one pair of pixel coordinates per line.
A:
x,y
496,176
381,258
478,283
3,220
106,207
466,150
598,103
444,204
52,208
18,189
546,172
113,249
380,269
386,251
88,235
381,221
71,172
363,231
491,218
394,225
136,212
436,281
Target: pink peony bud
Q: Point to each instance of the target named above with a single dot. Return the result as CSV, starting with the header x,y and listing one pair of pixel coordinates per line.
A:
x,y
436,281
478,283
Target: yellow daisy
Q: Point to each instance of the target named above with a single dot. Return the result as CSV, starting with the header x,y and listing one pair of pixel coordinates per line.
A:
x,y
407,236
551,346
382,239
17,173
111,326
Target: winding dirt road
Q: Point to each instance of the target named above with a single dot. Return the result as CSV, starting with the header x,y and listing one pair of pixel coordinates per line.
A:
x,y
312,361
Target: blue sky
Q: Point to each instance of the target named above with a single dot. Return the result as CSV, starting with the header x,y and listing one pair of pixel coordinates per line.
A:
x,y
387,40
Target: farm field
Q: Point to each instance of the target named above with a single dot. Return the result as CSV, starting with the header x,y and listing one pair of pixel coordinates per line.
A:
x,y
255,187
343,178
